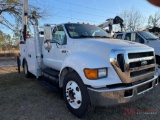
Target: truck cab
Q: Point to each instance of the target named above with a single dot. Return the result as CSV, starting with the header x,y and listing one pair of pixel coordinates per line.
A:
x,y
88,66
143,37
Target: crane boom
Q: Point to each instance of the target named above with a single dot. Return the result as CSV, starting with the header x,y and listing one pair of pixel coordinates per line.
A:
x,y
24,18
110,22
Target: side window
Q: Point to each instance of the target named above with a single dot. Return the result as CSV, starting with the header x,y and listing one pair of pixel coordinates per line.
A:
x,y
139,39
119,36
128,36
58,35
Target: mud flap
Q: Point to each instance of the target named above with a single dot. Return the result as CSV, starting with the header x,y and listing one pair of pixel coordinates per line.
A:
x,y
18,64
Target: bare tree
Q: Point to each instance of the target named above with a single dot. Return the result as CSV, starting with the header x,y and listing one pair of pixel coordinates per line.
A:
x,y
4,39
154,20
133,20
13,9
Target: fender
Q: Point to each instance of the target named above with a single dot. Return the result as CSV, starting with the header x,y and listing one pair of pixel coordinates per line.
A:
x,y
78,61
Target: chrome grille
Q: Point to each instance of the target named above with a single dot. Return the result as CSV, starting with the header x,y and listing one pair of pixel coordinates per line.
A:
x,y
140,55
138,65
141,72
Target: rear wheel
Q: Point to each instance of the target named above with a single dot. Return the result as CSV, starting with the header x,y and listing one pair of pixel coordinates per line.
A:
x,y
76,95
25,69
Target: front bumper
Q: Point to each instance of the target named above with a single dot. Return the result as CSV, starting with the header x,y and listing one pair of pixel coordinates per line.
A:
x,y
117,95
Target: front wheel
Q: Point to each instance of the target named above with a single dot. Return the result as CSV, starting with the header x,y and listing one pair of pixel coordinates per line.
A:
x,y
76,95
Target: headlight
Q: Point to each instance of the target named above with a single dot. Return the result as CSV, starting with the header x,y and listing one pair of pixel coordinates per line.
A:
x,y
95,73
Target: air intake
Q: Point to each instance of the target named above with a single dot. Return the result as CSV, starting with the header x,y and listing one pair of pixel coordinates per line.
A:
x,y
121,62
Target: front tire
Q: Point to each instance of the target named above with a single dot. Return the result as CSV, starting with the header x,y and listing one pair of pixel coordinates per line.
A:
x,y
76,95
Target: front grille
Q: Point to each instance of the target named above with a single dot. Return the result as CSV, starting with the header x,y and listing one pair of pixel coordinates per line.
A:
x,y
133,66
142,72
157,59
140,55
139,63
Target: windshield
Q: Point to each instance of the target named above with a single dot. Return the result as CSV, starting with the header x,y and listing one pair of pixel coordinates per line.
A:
x,y
85,31
148,36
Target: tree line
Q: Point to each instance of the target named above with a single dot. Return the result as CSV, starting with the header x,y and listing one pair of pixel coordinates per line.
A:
x,y
134,20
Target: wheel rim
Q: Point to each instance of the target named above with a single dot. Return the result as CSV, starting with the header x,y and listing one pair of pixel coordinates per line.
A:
x,y
25,69
73,94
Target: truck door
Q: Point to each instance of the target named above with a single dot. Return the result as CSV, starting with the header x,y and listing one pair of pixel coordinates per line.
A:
x,y
139,39
128,36
119,36
55,57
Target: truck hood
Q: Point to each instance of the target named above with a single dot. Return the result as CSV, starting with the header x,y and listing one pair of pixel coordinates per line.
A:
x,y
115,43
102,47
156,45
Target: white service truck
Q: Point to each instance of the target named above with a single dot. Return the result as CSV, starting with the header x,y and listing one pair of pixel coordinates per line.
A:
x,y
146,38
87,65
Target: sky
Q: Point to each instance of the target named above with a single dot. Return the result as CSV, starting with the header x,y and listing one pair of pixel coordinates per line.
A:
x,y
92,11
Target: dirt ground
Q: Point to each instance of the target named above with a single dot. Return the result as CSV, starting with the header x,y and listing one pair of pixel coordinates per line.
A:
x,y
27,99
5,62
10,53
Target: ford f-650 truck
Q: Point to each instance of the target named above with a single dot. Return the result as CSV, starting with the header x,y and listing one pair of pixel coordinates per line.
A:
x,y
87,65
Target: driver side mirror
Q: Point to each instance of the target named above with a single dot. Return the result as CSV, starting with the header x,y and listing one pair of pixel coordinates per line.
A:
x,y
47,46
47,33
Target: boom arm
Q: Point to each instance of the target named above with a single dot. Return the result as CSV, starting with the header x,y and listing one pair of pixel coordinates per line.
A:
x,y
110,22
24,18
106,23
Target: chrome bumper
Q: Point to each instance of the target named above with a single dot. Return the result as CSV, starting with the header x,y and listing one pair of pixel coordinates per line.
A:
x,y
109,97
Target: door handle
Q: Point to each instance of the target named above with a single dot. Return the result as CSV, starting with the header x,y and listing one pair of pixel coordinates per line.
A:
x,y
29,55
64,51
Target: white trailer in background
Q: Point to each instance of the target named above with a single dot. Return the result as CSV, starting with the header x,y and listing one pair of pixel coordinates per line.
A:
x,y
87,66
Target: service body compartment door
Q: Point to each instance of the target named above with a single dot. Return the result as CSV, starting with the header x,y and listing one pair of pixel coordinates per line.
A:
x,y
31,56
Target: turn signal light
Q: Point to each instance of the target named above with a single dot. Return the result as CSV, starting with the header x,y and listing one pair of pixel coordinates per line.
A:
x,y
95,73
91,74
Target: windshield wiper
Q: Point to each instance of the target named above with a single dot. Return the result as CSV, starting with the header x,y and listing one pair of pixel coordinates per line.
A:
x,y
83,36
101,37
105,37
